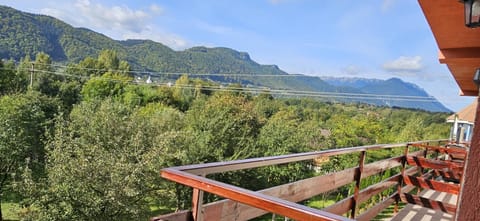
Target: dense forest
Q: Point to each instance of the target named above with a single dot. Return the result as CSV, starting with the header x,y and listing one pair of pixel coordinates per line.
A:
x,y
86,142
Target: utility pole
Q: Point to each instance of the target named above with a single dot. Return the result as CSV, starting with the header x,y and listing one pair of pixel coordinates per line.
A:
x,y
32,72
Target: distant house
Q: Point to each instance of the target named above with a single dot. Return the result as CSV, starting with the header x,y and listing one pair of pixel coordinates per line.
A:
x,y
462,128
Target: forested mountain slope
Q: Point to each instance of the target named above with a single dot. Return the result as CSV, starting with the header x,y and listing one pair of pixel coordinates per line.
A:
x,y
25,34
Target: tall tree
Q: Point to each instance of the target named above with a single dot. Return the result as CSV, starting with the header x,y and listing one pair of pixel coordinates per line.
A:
x,y
103,162
21,130
45,79
10,81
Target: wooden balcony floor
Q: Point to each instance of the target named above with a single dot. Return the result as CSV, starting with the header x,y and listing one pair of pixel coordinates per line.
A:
x,y
416,212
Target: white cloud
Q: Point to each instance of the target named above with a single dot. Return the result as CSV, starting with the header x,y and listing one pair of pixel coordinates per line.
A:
x,y
216,29
404,64
53,12
156,9
172,40
116,17
352,70
387,5
117,21
275,2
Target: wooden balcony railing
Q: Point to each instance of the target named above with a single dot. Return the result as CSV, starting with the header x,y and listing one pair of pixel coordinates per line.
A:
x,y
242,204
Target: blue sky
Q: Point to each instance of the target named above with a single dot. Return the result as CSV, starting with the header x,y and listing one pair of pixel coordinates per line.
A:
x,y
347,38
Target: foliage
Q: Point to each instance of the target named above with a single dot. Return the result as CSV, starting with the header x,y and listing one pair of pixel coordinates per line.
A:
x,y
103,163
23,119
111,136
24,35
10,82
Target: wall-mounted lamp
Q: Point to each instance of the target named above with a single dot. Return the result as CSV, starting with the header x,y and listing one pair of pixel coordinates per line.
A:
x,y
476,77
472,13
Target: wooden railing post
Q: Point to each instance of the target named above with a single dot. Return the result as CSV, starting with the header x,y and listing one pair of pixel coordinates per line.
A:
x,y
358,178
280,200
400,181
197,204
420,169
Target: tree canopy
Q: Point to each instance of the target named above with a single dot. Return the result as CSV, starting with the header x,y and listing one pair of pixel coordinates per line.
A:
x,y
87,144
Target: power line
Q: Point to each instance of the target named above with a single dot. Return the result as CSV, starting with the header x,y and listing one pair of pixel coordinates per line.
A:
x,y
178,73
348,96
294,91
282,92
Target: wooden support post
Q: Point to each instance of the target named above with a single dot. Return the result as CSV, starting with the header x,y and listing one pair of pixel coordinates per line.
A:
x,y
358,178
468,204
420,169
400,181
197,204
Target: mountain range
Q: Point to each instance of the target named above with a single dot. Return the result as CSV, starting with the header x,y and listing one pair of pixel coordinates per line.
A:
x,y
25,34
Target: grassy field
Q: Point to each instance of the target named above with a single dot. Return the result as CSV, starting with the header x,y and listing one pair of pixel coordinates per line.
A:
x,y
10,206
9,211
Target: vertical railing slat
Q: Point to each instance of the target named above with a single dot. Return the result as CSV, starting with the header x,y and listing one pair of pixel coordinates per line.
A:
x,y
197,204
358,178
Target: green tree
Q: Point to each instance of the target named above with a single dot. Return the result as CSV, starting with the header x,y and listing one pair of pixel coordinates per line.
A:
x,y
21,132
45,79
108,85
103,163
412,131
140,95
109,62
226,127
10,81
183,92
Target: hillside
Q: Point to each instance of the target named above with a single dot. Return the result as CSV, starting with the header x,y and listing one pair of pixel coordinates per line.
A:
x,y
24,34
410,93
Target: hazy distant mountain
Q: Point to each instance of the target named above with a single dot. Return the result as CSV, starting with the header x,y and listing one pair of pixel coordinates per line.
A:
x,y
406,94
350,82
24,34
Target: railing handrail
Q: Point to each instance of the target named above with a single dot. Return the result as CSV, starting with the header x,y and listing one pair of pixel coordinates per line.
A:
x,y
218,167
194,176
256,199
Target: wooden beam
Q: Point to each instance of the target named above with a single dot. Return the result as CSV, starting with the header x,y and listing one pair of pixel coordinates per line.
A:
x,y
383,165
431,184
293,192
459,55
434,164
375,210
428,203
448,175
375,189
447,150
184,215
358,179
225,210
197,205
340,207
255,199
380,166
187,175
218,167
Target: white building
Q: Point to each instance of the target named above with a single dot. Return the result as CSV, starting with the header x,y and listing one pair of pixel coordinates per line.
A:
x,y
462,128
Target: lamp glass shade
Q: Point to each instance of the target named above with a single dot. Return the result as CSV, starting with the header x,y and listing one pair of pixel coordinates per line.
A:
x,y
472,13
